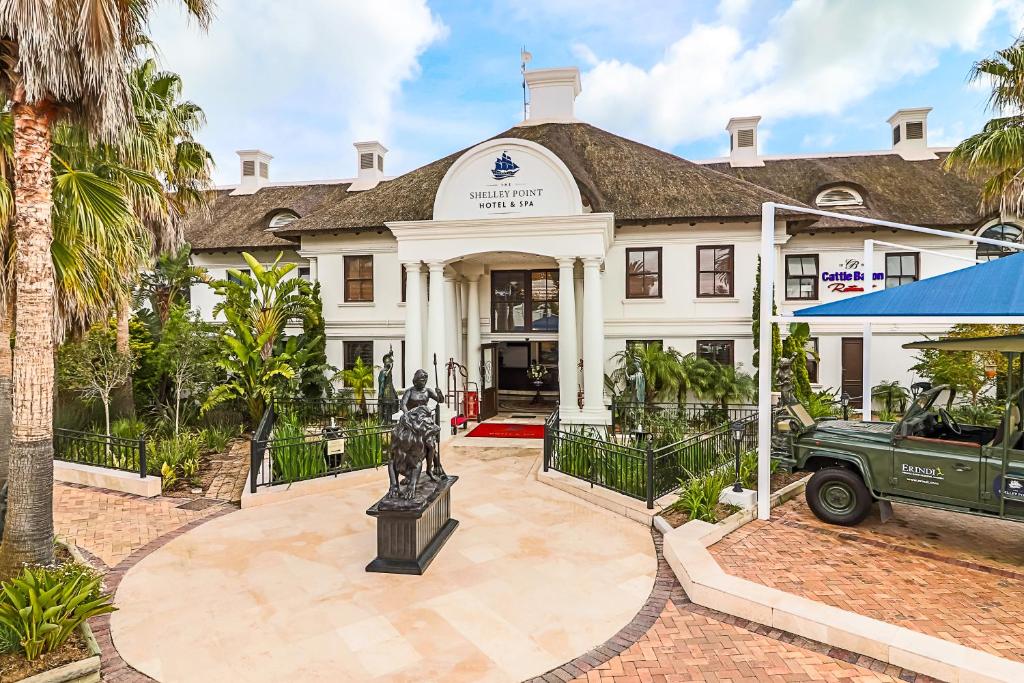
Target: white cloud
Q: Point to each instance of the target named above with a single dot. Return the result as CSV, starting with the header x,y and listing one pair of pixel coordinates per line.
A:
x,y
817,141
817,58
302,83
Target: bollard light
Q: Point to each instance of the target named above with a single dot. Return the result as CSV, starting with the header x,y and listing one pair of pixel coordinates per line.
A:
x,y
738,429
844,401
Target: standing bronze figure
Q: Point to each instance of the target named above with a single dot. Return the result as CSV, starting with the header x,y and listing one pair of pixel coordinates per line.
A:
x,y
387,397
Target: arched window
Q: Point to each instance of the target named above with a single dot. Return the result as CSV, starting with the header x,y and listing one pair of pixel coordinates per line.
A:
x,y
839,196
1005,232
282,218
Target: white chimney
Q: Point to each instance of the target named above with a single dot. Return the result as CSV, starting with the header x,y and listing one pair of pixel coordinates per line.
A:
x,y
553,95
743,141
370,161
255,165
910,134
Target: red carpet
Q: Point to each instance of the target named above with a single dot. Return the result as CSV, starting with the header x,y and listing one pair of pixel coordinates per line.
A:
x,y
508,430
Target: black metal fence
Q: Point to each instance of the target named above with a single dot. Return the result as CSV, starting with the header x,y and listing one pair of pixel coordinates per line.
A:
x,y
111,452
675,419
645,473
699,454
583,452
337,411
299,439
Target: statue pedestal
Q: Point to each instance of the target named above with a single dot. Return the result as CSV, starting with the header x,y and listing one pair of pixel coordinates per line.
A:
x,y
411,532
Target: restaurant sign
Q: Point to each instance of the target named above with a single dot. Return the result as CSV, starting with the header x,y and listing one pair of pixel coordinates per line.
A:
x,y
849,278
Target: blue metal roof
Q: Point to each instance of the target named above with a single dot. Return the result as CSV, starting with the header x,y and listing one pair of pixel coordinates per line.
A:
x,y
995,288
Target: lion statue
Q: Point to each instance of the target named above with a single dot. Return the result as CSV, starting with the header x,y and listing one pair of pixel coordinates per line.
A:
x,y
413,440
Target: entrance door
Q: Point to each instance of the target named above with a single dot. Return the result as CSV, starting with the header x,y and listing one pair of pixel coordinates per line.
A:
x,y
853,369
489,381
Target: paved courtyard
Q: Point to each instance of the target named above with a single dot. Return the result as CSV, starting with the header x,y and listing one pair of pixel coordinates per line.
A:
x,y
531,578
957,577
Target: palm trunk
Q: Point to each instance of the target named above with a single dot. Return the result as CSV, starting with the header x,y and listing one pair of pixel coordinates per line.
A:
x,y
28,532
6,369
124,398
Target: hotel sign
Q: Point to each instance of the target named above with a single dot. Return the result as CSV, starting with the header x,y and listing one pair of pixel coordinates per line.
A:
x,y
507,178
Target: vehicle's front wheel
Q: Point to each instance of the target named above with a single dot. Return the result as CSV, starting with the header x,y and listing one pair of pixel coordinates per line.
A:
x,y
838,496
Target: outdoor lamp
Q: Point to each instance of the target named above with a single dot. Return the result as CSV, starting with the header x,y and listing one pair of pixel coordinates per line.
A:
x,y
990,370
738,429
844,401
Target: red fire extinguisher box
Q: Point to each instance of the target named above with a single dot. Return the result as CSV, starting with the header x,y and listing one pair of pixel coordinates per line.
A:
x,y
472,405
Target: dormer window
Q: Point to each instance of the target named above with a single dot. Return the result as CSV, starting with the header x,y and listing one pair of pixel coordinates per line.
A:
x,y
282,218
839,197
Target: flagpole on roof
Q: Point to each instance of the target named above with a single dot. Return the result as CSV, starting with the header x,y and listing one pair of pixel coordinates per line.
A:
x,y
524,58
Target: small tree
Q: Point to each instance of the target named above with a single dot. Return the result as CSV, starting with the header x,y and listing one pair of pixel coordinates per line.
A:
x,y
187,356
892,394
756,327
94,368
256,354
795,349
359,378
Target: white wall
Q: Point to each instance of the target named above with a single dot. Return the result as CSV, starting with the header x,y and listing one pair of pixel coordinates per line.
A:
x,y
679,317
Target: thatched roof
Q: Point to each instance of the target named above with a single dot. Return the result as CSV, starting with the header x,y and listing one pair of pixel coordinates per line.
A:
x,y
241,221
635,182
914,192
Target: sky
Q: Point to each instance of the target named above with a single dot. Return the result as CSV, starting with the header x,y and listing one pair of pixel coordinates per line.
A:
x,y
304,80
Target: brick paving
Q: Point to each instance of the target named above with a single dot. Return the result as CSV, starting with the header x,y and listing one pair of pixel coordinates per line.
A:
x,y
918,573
110,525
229,472
671,640
115,531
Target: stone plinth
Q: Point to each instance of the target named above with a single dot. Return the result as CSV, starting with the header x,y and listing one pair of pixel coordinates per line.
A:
x,y
411,532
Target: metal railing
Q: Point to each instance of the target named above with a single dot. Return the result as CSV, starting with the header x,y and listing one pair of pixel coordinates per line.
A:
x,y
700,453
645,473
336,411
358,442
98,450
655,418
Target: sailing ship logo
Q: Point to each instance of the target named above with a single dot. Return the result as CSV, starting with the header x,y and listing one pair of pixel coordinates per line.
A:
x,y
504,167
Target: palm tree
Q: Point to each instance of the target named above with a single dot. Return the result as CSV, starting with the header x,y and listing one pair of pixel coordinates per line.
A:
x,y
997,152
891,394
67,60
169,282
729,385
359,378
661,369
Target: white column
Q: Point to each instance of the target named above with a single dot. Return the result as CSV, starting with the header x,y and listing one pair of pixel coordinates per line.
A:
x,y
869,279
314,271
413,320
451,308
473,328
567,339
463,312
424,359
764,371
593,341
578,291
436,323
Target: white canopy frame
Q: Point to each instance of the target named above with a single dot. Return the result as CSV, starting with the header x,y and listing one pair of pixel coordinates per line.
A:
x,y
768,301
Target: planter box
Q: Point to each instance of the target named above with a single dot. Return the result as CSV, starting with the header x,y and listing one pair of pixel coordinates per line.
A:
x,y
83,671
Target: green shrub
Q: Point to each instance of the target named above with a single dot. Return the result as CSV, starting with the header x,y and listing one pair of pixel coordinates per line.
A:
x,y
128,428
44,605
294,455
216,439
173,457
699,495
365,447
983,413
9,639
822,403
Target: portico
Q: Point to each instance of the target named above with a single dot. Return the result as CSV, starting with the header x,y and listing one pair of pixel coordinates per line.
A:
x,y
538,214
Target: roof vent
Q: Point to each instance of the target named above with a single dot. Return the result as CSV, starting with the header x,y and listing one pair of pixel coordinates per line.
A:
x,y
553,95
371,165
839,196
910,134
255,171
743,141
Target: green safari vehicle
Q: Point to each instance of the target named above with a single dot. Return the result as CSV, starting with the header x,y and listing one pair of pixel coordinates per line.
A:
x,y
926,459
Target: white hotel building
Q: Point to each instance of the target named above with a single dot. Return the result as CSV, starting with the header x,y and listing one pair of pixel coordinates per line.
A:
x,y
558,242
